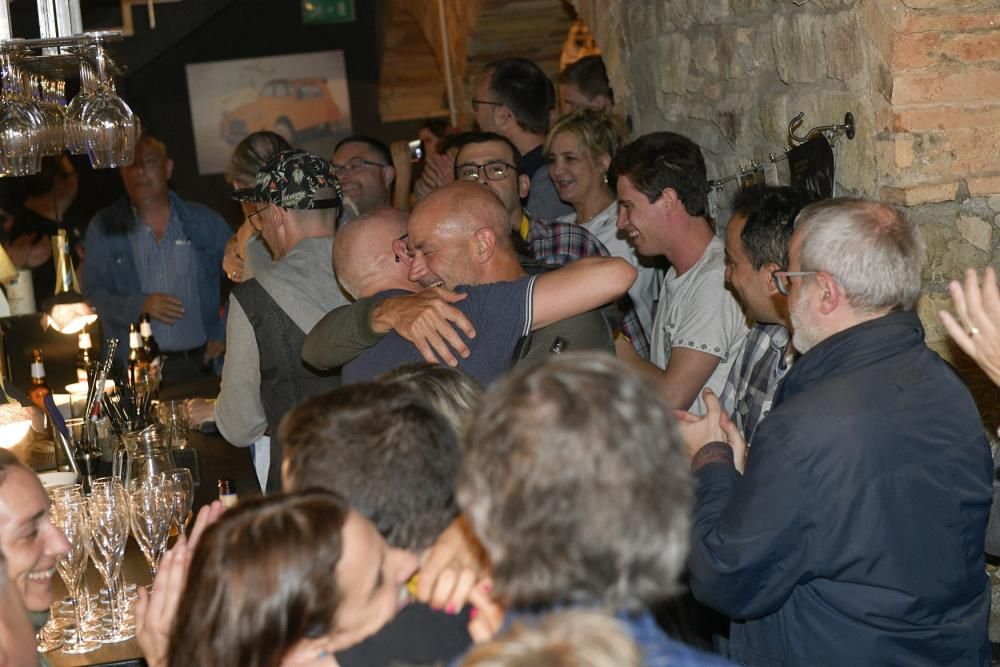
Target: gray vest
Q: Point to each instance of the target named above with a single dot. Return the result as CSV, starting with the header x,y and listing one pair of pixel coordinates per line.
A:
x,y
285,380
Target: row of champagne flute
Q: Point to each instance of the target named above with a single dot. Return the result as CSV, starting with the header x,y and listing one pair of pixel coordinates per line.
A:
x,y
97,527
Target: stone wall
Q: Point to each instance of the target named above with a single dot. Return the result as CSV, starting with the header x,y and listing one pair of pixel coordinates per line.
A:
x,y
922,78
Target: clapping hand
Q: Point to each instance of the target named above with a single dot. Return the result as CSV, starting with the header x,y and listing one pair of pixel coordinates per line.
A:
x,y
977,327
714,426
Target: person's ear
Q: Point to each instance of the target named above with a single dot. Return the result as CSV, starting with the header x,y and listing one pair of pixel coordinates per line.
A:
x,y
400,251
388,174
503,116
830,294
523,186
766,274
669,201
169,168
484,243
604,162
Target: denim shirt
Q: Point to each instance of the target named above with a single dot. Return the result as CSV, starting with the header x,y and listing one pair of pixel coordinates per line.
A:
x,y
110,279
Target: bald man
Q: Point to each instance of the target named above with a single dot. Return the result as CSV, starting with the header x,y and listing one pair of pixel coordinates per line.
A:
x,y
458,246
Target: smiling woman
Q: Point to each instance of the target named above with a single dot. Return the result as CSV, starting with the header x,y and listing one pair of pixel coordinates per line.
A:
x,y
29,542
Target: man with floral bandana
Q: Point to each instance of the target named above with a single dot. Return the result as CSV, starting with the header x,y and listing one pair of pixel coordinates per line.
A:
x,y
299,200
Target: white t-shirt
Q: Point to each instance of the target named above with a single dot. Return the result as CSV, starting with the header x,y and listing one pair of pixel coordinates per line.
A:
x,y
647,284
696,311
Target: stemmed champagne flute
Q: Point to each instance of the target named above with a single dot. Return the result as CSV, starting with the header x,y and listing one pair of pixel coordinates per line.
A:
x,y
183,488
108,511
70,516
151,508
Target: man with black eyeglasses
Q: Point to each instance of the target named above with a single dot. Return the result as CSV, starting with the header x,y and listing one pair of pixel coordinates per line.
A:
x,y
490,159
514,99
363,166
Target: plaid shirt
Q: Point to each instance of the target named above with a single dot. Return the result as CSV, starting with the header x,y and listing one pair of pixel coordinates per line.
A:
x,y
560,243
755,376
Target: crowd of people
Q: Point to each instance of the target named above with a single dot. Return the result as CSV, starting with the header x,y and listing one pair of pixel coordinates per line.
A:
x,y
501,425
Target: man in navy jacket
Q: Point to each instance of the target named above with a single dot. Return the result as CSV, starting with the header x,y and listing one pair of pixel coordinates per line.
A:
x,y
855,534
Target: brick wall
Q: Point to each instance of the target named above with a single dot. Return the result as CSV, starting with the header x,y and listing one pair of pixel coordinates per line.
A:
x,y
922,79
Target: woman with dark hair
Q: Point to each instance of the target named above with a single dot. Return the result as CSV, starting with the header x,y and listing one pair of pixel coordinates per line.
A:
x,y
286,580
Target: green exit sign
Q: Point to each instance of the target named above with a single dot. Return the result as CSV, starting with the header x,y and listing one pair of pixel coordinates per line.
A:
x,y
327,11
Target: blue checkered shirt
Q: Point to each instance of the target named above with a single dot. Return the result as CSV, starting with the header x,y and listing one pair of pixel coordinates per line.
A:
x,y
755,376
559,243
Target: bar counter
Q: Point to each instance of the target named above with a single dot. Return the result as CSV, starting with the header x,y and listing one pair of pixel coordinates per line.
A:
x,y
217,459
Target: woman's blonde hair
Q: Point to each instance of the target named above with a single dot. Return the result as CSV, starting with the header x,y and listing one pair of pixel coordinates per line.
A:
x,y
596,131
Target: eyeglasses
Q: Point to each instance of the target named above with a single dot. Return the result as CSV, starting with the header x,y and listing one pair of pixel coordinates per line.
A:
x,y
780,279
495,171
258,225
354,165
476,103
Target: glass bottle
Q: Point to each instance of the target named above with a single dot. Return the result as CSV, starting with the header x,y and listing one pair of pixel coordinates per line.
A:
x,y
138,362
39,387
84,357
227,492
149,341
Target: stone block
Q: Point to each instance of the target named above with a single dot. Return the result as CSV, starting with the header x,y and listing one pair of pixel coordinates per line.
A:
x,y
944,117
710,11
971,84
961,21
798,55
919,194
842,42
948,254
976,231
705,54
984,186
673,60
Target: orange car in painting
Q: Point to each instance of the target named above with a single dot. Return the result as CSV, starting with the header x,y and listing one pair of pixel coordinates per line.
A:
x,y
285,106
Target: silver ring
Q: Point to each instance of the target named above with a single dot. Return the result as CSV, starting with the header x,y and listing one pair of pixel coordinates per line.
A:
x,y
973,331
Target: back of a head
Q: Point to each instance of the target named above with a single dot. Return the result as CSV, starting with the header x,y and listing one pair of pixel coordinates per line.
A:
x,y
665,160
363,254
261,579
42,183
770,213
462,208
575,481
251,153
523,87
385,449
870,248
596,132
451,390
563,639
589,75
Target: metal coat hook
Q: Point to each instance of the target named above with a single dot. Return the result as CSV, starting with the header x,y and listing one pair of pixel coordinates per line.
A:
x,y
847,128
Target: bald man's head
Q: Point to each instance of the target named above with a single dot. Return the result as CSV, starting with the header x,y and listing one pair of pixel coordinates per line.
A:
x,y
459,235
363,255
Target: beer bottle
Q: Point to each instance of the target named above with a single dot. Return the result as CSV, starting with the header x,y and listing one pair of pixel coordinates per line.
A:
x,y
39,387
84,357
149,343
138,362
